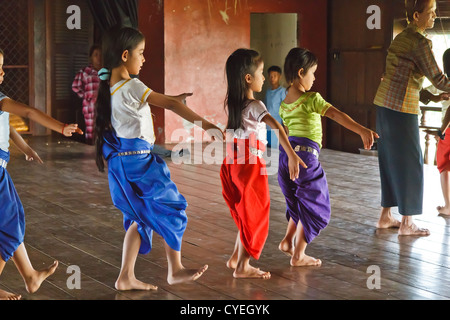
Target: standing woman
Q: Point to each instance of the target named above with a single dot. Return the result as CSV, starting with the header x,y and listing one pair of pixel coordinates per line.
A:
x,y
410,59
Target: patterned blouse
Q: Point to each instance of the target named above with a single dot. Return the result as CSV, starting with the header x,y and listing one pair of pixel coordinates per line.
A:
x,y
410,59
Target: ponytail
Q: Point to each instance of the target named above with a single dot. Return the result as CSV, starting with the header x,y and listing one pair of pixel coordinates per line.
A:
x,y
102,121
115,43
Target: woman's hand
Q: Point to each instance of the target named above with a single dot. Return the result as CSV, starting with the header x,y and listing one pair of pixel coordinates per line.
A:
x,y
443,96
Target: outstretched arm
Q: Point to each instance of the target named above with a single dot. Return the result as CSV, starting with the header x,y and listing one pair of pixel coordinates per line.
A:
x,y
181,97
175,105
427,96
22,110
294,159
30,154
368,136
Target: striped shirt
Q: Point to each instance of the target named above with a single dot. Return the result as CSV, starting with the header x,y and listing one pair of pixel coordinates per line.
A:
x,y
410,59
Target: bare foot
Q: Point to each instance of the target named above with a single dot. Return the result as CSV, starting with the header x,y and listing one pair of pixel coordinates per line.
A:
x,y
412,230
186,275
33,283
305,261
443,210
4,295
387,221
251,272
232,262
286,247
124,283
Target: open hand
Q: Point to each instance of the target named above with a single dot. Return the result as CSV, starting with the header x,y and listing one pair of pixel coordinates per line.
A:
x,y
182,97
70,129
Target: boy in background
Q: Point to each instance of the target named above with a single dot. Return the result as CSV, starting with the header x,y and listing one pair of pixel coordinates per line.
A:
x,y
274,96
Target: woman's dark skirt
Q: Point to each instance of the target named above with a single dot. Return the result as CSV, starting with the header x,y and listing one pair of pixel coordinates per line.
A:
x,y
400,160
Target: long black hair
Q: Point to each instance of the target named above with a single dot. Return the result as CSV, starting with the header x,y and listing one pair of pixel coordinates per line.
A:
x,y
446,59
240,63
115,43
296,59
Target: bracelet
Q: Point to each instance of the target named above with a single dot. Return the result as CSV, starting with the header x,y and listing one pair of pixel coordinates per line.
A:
x,y
441,136
65,125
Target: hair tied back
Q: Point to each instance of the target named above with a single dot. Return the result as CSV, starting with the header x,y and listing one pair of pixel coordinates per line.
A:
x,y
104,74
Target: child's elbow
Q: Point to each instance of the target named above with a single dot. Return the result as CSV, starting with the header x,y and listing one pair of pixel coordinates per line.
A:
x,y
31,113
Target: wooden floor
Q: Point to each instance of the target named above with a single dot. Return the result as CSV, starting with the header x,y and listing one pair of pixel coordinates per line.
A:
x,y
70,218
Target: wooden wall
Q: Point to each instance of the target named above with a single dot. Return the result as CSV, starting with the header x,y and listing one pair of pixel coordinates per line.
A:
x,y
357,58
356,63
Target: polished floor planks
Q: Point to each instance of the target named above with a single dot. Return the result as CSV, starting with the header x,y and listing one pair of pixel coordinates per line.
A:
x,y
70,218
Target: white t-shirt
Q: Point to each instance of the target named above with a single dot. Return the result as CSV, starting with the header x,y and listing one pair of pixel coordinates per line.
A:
x,y
4,127
251,122
131,116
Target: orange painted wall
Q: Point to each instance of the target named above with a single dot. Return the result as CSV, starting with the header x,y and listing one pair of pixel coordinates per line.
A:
x,y
198,39
151,24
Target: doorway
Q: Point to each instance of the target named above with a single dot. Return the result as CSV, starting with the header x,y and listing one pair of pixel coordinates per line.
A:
x,y
273,35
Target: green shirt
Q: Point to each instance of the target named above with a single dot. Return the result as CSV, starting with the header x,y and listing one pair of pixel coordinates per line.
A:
x,y
303,118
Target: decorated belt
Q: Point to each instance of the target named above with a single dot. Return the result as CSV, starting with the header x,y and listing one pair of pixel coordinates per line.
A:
x,y
133,153
3,163
307,149
256,152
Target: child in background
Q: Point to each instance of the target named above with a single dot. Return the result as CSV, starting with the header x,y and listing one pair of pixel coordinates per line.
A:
x,y
431,93
139,180
12,217
274,96
243,176
307,199
85,85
